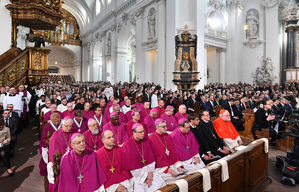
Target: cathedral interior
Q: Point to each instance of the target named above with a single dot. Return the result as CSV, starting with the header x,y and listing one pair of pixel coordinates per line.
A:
x,y
176,44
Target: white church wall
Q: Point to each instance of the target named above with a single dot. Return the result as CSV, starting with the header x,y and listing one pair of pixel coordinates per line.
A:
x,y
213,65
251,56
272,39
234,45
5,37
65,58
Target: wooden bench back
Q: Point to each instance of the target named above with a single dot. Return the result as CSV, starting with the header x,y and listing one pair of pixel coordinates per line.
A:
x,y
248,171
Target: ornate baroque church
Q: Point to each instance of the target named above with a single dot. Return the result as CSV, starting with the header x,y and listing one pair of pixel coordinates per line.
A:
x,y
134,40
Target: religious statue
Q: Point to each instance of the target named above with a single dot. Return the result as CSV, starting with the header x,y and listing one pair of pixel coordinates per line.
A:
x,y
252,23
185,64
37,39
22,36
109,43
265,72
151,20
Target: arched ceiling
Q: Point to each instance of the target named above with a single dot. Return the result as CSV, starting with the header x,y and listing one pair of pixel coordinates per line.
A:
x,y
82,10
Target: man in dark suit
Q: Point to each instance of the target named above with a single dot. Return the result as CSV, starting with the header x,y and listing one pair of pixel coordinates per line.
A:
x,y
12,113
229,106
237,119
210,144
147,96
276,107
210,106
54,100
12,123
263,119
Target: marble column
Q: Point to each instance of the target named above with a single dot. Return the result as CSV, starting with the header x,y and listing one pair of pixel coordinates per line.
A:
x,y
201,48
272,40
161,33
114,38
140,77
222,72
291,47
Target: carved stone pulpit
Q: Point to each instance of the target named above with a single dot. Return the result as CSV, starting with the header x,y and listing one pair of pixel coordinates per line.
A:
x,y
185,66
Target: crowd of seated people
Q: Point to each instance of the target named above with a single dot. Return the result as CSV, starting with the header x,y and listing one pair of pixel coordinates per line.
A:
x,y
64,79
85,119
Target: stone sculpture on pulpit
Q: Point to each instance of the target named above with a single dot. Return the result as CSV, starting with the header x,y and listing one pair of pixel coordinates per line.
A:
x,y
185,67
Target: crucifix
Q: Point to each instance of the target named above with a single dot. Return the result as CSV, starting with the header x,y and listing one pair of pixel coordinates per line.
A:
x,y
166,151
112,169
80,178
143,161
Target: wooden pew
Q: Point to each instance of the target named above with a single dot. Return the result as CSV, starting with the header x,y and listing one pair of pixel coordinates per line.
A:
x,y
196,107
217,110
285,143
248,171
246,135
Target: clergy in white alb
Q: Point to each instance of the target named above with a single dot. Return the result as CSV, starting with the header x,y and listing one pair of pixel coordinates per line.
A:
x,y
15,99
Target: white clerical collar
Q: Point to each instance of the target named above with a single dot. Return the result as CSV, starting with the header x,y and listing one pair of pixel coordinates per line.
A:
x,y
99,122
54,127
78,124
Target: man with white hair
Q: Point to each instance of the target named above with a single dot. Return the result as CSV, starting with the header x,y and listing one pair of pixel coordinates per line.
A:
x,y
181,114
93,136
79,169
60,142
226,130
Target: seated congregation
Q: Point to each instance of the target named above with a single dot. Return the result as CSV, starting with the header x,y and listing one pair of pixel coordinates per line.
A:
x,y
95,137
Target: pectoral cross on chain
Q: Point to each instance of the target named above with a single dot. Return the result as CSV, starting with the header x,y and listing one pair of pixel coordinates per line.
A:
x,y
80,178
143,161
166,151
112,169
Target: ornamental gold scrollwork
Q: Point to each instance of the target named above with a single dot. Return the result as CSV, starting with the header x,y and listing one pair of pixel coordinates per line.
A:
x,y
37,60
23,64
11,75
65,33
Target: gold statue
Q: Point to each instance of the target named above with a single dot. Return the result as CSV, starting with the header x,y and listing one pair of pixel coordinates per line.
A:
x,y
185,64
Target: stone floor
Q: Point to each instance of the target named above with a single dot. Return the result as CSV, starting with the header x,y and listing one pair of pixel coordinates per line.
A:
x,y
27,178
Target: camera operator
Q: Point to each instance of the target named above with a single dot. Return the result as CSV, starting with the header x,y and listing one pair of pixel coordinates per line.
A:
x,y
4,146
264,120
